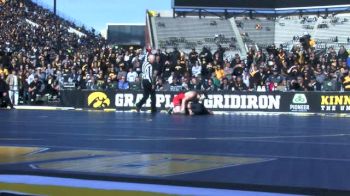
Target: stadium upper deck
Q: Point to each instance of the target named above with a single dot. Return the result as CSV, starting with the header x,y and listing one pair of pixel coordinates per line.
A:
x,y
271,5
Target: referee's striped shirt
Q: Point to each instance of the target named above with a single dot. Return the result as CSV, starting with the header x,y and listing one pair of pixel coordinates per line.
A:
x,y
147,71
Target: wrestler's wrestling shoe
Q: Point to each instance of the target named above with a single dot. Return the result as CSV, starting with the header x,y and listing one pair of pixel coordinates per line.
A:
x,y
170,110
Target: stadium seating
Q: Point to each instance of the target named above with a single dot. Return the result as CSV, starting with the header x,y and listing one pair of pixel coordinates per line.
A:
x,y
260,31
339,29
187,33
289,27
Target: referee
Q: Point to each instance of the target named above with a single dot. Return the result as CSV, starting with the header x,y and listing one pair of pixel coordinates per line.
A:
x,y
148,83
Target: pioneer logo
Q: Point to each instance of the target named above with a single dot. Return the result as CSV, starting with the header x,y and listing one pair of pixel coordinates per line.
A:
x,y
299,103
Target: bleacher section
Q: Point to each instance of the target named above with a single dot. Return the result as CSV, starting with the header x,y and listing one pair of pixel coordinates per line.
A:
x,y
187,33
335,29
260,31
291,27
192,32
331,31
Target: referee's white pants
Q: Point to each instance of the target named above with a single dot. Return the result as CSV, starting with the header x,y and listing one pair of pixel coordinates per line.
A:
x,y
13,97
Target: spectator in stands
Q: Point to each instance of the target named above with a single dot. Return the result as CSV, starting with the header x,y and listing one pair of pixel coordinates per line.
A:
x,y
193,56
343,54
162,58
330,83
298,84
205,56
41,74
228,70
175,85
74,77
52,86
320,78
246,78
311,84
35,89
219,55
111,85
49,70
167,70
175,56
185,84
275,78
171,78
123,84
100,80
282,57
207,69
180,67
196,69
92,84
160,85
346,81
283,86
219,72
259,57
4,92
238,69
272,50
158,67
209,86
239,85
131,75
136,85
250,56
23,87
13,81
216,80
255,79
258,27
195,84
122,71
225,85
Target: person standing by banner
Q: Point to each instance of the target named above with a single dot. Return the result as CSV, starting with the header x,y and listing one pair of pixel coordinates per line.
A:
x,y
148,83
4,95
346,82
12,81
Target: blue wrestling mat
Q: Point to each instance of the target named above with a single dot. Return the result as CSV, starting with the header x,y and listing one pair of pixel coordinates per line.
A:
x,y
307,154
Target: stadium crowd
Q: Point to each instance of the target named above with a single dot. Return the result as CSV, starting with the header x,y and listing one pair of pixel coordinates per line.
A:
x,y
40,55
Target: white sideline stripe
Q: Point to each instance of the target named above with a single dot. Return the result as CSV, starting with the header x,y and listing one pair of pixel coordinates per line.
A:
x,y
107,185
249,113
28,107
227,138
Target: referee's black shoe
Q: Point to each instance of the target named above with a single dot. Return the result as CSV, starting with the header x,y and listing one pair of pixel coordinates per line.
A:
x,y
138,108
154,111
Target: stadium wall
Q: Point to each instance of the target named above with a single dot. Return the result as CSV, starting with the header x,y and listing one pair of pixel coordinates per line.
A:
x,y
315,102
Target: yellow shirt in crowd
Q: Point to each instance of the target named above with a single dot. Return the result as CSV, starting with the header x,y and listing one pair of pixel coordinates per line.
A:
x,y
219,73
4,71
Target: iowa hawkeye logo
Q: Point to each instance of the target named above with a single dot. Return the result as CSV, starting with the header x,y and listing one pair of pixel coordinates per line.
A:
x,y
98,100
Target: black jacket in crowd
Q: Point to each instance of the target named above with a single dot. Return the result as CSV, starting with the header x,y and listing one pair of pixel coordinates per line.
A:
x,y
4,87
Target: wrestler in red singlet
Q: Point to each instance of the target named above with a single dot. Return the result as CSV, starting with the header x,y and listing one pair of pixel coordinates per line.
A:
x,y
178,99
